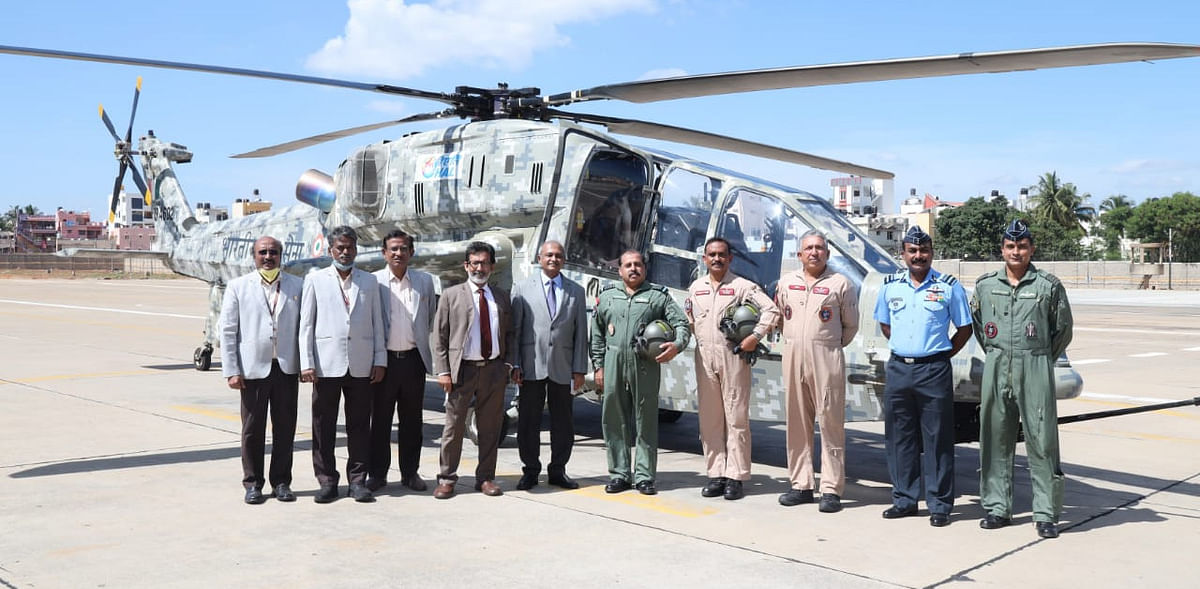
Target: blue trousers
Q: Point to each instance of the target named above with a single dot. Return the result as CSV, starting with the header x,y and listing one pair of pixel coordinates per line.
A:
x,y
919,427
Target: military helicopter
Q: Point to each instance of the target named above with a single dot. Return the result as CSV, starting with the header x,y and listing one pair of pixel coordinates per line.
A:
x,y
522,170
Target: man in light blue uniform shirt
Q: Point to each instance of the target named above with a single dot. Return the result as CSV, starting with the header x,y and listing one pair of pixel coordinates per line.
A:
x,y
915,310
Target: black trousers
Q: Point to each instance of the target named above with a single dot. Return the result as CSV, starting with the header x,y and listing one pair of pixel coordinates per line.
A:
x,y
326,394
533,398
918,403
402,393
276,393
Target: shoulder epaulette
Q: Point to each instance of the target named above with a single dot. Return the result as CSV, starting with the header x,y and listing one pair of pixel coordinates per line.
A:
x,y
1052,279
947,278
660,288
895,276
608,287
986,275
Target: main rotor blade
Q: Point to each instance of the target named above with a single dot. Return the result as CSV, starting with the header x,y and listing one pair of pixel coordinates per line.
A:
x,y
714,141
875,71
315,139
137,91
108,123
213,69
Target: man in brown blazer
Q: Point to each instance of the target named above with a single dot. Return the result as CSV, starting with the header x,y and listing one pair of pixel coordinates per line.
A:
x,y
471,342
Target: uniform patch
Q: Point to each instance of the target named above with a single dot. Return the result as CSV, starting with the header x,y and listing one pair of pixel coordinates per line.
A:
x,y
896,304
796,286
787,312
820,290
687,307
1031,330
990,330
612,329
725,291
826,312
935,297
703,292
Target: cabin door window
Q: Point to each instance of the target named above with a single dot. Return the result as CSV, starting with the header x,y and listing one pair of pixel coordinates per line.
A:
x,y
753,223
609,210
681,226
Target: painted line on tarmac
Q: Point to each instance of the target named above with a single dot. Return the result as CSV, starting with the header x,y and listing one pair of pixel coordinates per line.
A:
x,y
1126,398
1192,349
1146,331
1089,361
84,375
1147,354
105,309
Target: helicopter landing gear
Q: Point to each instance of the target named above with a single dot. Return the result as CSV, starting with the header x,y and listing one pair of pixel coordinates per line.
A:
x,y
202,357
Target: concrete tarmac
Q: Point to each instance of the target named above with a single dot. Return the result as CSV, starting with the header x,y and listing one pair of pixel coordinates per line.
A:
x,y
120,468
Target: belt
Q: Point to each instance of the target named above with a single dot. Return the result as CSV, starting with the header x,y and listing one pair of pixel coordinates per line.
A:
x,y
938,357
479,362
401,353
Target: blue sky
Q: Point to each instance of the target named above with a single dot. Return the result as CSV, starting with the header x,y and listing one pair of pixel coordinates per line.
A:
x,y
1130,128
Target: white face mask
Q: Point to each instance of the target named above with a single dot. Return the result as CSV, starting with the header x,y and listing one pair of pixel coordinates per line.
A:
x,y
343,267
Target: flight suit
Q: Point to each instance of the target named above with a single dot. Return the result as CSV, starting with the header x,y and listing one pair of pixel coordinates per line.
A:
x,y
722,379
1023,330
819,319
630,382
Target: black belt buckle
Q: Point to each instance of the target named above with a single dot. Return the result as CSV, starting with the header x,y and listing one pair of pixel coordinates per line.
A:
x,y
400,354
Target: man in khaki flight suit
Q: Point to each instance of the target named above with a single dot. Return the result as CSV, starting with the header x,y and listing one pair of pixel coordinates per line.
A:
x,y
820,317
723,379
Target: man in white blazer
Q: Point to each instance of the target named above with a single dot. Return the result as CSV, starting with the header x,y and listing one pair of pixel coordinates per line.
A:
x,y
342,353
551,357
408,311
260,357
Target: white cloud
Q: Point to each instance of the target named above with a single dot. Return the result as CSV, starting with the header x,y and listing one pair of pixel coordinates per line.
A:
x,y
672,72
396,39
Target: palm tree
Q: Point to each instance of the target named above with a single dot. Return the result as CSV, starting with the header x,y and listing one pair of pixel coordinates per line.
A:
x,y
1116,201
1058,203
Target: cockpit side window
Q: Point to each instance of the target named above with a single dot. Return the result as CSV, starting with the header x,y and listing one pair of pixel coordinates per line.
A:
x,y
608,210
363,173
753,224
681,227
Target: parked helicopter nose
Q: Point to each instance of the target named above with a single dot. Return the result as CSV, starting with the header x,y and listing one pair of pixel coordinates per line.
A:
x,y
316,188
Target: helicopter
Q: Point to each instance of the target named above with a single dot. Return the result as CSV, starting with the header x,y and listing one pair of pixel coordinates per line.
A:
x,y
522,170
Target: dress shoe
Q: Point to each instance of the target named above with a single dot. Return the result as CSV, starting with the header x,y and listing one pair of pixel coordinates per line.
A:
x,y
733,490
646,488
374,485
444,491
796,497
563,481
254,496
327,494
991,522
283,493
617,485
714,488
527,482
361,493
1047,529
894,512
939,520
830,503
489,488
415,483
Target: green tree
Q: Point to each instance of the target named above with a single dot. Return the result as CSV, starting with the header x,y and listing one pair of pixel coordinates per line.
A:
x,y
1058,203
1114,215
972,231
1178,214
8,221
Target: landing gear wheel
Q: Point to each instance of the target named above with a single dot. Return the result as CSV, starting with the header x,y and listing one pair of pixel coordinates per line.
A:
x,y
202,358
669,415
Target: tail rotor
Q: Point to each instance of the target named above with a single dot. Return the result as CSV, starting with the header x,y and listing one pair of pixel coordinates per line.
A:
x,y
124,153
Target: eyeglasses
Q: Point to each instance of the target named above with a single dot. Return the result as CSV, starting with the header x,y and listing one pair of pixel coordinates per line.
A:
x,y
268,252
479,264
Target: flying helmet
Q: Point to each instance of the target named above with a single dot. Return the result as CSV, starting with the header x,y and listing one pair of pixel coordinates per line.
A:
x,y
649,340
739,322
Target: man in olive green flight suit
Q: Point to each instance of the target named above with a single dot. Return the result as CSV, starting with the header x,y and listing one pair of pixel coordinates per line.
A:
x,y
629,382
1023,321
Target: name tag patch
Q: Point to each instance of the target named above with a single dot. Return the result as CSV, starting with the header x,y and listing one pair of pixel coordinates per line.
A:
x,y
796,287
725,291
703,292
820,290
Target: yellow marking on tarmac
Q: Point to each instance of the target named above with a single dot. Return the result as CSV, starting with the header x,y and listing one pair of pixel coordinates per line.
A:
x,y
34,379
650,502
226,415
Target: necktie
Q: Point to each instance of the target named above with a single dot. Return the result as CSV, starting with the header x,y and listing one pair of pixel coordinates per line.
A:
x,y
485,328
551,299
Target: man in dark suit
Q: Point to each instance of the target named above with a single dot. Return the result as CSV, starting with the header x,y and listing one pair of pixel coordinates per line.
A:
x,y
551,356
342,353
260,357
408,311
471,341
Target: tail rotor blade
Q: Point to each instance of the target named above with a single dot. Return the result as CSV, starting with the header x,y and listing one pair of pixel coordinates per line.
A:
x,y
137,177
108,123
112,208
137,92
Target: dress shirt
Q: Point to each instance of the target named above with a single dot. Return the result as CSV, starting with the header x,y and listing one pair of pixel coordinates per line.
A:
x,y
556,284
402,309
273,298
472,350
921,314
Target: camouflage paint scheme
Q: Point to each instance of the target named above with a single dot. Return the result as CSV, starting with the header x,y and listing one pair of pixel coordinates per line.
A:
x,y
514,183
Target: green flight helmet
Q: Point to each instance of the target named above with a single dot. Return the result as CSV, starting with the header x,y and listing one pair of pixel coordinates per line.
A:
x,y
739,322
650,338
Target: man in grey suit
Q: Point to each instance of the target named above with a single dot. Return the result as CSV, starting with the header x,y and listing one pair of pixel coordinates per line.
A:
x,y
471,341
551,356
260,357
408,310
342,353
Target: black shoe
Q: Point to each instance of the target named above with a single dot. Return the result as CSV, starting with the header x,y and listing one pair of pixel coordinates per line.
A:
x,y
714,488
992,522
1047,529
894,512
796,497
414,482
527,482
617,485
283,493
563,481
254,496
647,488
374,484
830,503
327,494
939,520
733,490
361,493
